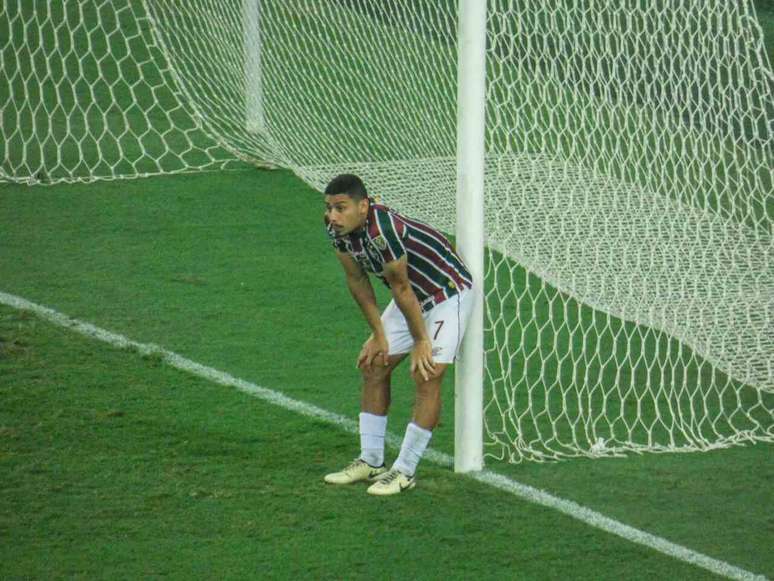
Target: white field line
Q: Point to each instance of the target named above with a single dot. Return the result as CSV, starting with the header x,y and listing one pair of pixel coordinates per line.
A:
x,y
499,481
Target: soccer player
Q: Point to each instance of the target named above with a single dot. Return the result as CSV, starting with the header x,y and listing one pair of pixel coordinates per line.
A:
x,y
432,297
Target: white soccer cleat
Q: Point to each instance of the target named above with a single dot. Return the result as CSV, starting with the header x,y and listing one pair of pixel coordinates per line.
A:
x,y
392,482
357,471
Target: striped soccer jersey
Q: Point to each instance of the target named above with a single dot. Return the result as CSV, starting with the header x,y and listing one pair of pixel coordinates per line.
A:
x,y
435,270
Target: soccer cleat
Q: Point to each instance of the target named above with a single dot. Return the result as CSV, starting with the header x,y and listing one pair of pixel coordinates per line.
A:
x,y
392,482
357,471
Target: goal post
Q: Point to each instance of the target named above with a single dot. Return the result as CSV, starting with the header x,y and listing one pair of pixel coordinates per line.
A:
x,y
471,124
253,96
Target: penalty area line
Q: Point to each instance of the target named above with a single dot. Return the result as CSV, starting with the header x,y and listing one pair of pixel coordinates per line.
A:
x,y
522,491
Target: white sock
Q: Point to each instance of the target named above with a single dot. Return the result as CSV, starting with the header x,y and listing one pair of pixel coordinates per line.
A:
x,y
414,445
372,429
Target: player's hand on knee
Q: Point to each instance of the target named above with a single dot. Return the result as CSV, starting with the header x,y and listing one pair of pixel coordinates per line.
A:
x,y
375,351
422,363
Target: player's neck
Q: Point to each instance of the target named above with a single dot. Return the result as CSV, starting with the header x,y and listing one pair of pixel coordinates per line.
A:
x,y
364,219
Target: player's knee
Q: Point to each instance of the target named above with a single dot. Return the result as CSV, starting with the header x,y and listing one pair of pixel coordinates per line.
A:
x,y
433,381
376,372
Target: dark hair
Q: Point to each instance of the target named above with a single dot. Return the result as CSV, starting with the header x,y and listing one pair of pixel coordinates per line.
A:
x,y
347,184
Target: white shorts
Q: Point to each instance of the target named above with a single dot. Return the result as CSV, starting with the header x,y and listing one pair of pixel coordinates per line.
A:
x,y
445,324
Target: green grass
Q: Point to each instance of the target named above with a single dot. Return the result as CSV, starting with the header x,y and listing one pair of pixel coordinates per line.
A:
x,y
165,474
764,12
117,466
112,464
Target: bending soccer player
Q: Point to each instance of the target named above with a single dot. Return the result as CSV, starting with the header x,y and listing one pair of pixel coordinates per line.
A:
x,y
432,297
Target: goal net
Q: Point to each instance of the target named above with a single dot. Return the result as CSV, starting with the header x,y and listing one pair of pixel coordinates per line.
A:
x,y
85,94
629,155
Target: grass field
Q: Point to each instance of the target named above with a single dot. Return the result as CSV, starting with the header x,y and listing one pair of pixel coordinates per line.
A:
x,y
115,465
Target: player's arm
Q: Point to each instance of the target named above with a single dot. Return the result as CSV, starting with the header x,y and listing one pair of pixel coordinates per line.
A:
x,y
362,291
396,273
360,287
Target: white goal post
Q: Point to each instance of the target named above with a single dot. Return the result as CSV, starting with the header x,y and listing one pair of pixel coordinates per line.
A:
x,y
253,94
471,125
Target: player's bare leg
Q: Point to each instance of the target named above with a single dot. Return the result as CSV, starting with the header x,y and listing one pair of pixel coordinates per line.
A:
x,y
427,412
376,394
427,405
375,403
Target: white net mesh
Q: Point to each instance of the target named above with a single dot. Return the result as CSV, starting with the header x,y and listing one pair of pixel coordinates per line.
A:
x,y
86,94
629,210
635,163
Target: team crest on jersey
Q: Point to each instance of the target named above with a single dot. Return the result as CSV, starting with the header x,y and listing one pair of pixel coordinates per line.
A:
x,y
380,243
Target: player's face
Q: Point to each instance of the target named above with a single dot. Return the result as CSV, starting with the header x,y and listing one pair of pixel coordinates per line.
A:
x,y
345,214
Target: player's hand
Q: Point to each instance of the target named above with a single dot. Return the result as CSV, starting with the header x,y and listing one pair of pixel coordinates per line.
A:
x,y
373,348
422,359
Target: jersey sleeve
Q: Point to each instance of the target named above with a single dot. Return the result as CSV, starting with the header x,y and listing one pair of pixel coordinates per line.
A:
x,y
337,243
391,238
